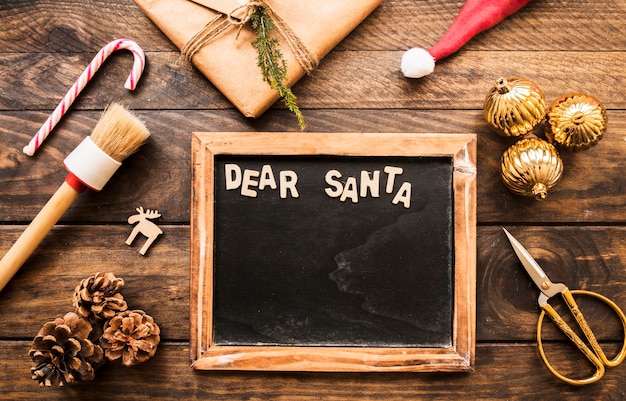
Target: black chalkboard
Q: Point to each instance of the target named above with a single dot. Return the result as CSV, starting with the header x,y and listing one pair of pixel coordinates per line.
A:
x,y
333,251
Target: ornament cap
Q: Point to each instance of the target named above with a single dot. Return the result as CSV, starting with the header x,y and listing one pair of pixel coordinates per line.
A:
x,y
502,85
540,191
576,121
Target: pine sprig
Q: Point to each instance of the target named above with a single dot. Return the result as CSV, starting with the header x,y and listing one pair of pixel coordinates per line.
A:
x,y
271,61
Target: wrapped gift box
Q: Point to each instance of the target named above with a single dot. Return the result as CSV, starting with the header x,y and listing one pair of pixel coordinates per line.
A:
x,y
229,60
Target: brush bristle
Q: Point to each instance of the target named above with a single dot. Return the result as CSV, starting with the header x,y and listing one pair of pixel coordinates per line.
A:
x,y
119,133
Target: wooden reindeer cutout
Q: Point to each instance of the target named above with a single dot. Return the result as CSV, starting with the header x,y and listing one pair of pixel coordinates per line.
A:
x,y
145,226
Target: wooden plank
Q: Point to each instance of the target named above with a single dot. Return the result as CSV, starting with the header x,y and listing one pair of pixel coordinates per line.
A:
x,y
42,289
73,27
411,23
158,176
586,257
581,257
27,183
502,372
85,26
346,80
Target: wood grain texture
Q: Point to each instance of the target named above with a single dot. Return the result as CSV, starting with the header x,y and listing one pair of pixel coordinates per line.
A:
x,y
62,261
345,80
44,26
591,258
167,377
577,234
158,283
591,191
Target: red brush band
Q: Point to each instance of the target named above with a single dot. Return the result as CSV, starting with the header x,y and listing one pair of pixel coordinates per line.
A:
x,y
91,165
75,183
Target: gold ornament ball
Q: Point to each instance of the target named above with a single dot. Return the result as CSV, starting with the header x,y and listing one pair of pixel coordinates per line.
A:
x,y
576,121
514,106
531,167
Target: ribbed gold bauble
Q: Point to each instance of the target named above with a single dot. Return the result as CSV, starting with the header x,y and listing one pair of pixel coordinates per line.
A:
x,y
576,121
531,167
514,106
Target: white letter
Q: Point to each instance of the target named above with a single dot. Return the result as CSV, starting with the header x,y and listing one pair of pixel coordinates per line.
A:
x,y
288,180
248,181
403,195
372,183
349,191
392,171
267,178
233,176
330,176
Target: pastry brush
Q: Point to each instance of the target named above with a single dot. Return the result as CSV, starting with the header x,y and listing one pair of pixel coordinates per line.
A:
x,y
117,135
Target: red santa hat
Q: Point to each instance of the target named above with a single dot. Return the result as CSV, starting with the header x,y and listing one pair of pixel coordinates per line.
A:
x,y
476,16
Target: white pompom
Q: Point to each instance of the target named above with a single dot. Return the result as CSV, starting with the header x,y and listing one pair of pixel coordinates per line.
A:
x,y
417,63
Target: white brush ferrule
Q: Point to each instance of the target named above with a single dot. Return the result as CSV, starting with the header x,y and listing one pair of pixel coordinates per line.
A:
x,y
91,165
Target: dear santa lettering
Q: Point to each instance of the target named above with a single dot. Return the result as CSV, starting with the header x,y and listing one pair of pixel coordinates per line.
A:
x,y
344,188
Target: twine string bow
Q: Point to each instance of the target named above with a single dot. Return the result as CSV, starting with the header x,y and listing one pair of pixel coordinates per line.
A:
x,y
219,24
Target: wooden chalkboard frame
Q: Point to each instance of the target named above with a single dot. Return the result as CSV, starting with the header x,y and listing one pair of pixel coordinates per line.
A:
x,y
206,355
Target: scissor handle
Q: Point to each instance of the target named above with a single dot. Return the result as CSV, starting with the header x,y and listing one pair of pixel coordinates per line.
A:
x,y
569,299
597,356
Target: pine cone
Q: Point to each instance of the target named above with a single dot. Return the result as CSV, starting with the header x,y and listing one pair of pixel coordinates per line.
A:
x,y
63,352
99,296
131,335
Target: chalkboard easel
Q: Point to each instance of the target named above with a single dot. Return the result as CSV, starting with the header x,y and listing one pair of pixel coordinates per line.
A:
x,y
333,252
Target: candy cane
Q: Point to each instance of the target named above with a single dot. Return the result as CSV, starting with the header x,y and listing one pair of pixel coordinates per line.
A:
x,y
79,85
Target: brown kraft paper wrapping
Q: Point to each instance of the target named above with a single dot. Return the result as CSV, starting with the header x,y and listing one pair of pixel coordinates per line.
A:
x,y
229,60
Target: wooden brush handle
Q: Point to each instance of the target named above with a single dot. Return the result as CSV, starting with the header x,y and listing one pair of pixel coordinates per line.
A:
x,y
36,231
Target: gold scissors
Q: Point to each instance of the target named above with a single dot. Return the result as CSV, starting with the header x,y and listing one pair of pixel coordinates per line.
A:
x,y
548,289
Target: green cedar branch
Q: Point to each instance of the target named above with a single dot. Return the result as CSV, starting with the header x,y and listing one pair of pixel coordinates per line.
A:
x,y
271,61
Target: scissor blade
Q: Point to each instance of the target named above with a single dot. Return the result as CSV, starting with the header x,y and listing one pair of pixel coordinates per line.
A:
x,y
535,271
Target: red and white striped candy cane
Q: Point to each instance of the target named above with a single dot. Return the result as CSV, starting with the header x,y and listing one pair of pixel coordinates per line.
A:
x,y
79,85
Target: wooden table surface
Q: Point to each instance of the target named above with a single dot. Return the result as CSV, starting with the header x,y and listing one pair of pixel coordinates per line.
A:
x,y
578,233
